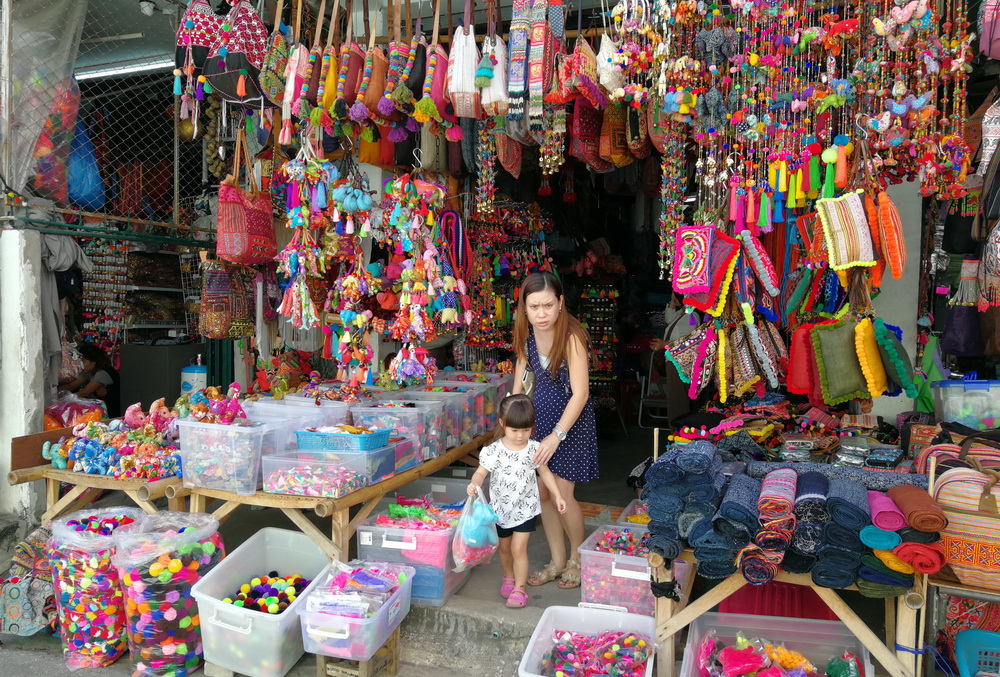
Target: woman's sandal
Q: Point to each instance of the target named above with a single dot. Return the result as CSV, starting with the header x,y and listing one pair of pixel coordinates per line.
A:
x,y
546,575
518,599
506,587
570,580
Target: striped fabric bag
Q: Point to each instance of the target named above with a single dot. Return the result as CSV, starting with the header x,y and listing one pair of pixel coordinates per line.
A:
x,y
965,454
971,540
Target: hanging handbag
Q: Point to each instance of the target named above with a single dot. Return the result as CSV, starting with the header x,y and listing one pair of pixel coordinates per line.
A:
x,y
613,143
636,133
462,64
272,71
330,69
964,449
227,301
376,66
584,76
246,222
233,65
609,73
969,499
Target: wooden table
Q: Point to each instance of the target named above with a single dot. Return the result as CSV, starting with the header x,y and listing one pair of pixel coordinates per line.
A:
x,y
27,465
337,509
901,624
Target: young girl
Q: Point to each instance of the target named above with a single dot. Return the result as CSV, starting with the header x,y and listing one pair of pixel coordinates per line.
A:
x,y
98,379
514,491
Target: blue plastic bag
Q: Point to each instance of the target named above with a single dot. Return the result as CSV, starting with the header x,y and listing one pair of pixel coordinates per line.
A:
x,y
86,189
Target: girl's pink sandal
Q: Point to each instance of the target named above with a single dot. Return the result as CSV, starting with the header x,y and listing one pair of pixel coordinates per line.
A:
x,y
506,587
518,599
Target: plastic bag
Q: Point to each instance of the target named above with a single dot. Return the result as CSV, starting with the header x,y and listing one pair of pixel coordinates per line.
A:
x,y
86,188
70,410
52,152
475,534
88,595
158,561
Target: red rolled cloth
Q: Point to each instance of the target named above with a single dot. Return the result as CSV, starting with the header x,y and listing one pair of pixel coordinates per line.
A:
x,y
922,512
927,559
885,514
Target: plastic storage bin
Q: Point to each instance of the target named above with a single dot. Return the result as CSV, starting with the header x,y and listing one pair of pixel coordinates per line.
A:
x,y
405,546
418,423
320,473
619,580
636,507
406,454
326,413
972,403
461,473
225,457
977,651
355,638
316,441
436,441
249,642
484,402
287,419
434,587
441,490
582,620
819,641
462,427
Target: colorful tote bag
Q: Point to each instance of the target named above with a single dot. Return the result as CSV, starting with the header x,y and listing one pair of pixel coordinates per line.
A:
x,y
246,222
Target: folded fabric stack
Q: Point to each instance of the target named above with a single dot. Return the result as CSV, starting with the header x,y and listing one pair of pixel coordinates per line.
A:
x,y
810,515
717,540
920,539
759,562
683,487
839,558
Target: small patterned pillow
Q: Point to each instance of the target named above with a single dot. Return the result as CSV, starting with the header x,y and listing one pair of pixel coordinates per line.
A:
x,y
840,375
869,357
846,231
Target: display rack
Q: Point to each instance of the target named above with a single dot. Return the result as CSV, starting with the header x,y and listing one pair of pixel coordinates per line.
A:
x,y
104,290
598,313
134,327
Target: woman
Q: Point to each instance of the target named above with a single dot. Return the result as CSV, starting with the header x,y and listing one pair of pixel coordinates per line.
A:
x,y
98,379
553,351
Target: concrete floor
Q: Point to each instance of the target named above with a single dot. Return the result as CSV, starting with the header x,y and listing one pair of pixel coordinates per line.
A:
x,y
40,656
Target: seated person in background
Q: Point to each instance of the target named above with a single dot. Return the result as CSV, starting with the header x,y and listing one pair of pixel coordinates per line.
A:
x,y
98,380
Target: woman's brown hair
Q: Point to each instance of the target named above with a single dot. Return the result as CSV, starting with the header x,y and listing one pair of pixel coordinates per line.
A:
x,y
565,326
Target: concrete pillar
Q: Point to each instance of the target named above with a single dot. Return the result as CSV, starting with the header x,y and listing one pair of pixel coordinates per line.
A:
x,y
21,365
897,304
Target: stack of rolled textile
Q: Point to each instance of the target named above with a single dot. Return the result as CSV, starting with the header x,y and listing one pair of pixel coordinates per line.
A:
x,y
875,481
759,561
810,515
839,558
717,540
920,539
886,521
683,486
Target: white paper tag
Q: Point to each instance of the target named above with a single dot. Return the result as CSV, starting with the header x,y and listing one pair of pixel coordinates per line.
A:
x,y
365,538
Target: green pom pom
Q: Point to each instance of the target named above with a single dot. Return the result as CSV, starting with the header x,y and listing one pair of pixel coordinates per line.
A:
x,y
402,95
367,134
426,110
316,116
483,80
305,109
244,71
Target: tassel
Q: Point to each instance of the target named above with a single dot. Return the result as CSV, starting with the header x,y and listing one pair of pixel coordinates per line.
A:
x,y
779,211
814,181
544,189
783,181
772,175
241,84
178,90
316,117
368,134
426,110
829,184
800,188
412,125
325,121
454,133
349,226
750,218
791,200
732,200
397,135
764,216
484,72
741,213
339,109
199,92
358,112
285,137
841,178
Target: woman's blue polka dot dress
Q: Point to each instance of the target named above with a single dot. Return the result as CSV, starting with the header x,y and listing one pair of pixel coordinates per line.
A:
x,y
576,459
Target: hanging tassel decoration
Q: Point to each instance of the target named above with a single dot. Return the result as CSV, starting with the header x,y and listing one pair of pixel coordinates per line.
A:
x,y
426,110
454,133
199,92
841,142
830,158
484,72
241,84
764,216
178,90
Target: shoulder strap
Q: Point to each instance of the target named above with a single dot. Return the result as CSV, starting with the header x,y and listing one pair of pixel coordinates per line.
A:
x,y
349,28
369,28
467,25
277,15
318,35
435,34
333,31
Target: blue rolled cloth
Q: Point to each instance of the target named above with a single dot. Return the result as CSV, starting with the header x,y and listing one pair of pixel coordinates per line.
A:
x,y
664,541
871,480
848,504
742,446
797,563
875,576
686,520
716,569
696,457
845,559
738,515
664,470
808,538
810,498
662,507
703,509
708,493
841,537
879,539
710,544
827,575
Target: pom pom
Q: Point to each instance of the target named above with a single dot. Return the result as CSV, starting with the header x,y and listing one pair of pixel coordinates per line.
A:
x,y
454,133
402,95
339,109
397,135
412,125
368,134
358,112
386,106
426,110
316,116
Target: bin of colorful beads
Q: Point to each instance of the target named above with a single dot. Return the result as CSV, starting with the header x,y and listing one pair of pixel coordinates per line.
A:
x,y
614,569
89,601
500,386
342,437
463,399
816,641
352,612
436,441
484,403
410,532
454,406
635,512
241,637
404,419
158,561
406,454
567,638
330,474
225,457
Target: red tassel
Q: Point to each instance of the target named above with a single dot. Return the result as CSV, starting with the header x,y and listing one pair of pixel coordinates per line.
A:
x,y
241,86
